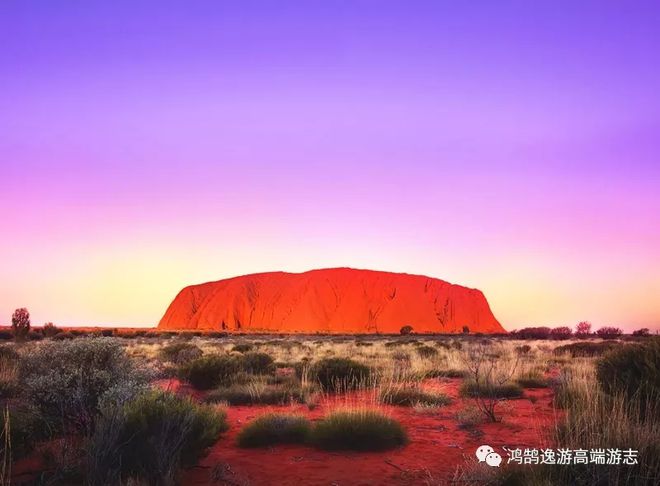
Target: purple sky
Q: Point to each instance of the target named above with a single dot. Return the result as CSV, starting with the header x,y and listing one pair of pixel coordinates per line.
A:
x,y
509,146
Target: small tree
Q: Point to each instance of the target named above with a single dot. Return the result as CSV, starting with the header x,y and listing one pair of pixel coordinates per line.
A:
x,y
405,330
562,332
643,332
583,329
466,330
488,373
609,332
20,323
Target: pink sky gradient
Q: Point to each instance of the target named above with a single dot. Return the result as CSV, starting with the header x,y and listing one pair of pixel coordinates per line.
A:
x,y
513,149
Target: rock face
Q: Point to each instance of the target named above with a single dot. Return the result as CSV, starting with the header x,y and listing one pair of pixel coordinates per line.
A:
x,y
336,300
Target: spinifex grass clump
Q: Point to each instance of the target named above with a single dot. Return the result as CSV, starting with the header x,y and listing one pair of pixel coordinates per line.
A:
x,y
150,438
409,396
340,374
210,371
361,430
274,428
257,393
633,371
593,419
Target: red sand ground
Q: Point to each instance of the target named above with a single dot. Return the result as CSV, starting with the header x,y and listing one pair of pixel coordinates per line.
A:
x,y
437,448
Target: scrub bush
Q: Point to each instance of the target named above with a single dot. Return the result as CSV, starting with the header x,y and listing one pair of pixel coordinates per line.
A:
x,y
66,380
151,437
210,371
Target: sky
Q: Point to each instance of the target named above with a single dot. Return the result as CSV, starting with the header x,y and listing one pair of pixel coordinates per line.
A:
x,y
509,146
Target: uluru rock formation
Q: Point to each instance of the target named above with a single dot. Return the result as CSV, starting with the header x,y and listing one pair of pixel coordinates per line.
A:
x,y
336,300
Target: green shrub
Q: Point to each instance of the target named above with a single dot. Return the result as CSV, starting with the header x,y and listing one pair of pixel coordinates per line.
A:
x,y
242,348
274,428
585,348
340,374
180,352
411,396
362,430
257,363
490,390
426,351
66,380
151,437
210,371
633,370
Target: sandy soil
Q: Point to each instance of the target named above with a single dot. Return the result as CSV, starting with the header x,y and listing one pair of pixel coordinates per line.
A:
x,y
438,445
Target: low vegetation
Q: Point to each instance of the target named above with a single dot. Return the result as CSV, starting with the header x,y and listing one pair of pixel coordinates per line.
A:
x,y
340,374
585,348
210,371
361,430
275,428
99,396
151,437
634,372
532,379
67,381
426,351
257,363
180,352
491,390
260,393
410,396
